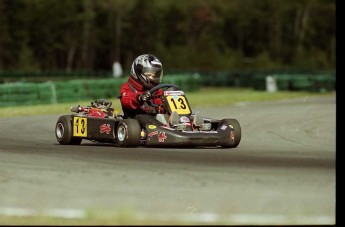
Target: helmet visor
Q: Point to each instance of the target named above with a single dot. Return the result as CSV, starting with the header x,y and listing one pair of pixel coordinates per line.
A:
x,y
153,74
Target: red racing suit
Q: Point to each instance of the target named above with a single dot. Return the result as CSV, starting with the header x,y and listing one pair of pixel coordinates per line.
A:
x,y
129,94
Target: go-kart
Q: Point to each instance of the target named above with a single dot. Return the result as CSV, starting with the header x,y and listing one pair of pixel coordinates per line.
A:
x,y
101,123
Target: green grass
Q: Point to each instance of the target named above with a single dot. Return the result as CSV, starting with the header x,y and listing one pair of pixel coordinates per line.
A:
x,y
124,216
205,97
210,96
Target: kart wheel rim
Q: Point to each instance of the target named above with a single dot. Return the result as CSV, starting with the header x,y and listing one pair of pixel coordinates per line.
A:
x,y
60,130
121,132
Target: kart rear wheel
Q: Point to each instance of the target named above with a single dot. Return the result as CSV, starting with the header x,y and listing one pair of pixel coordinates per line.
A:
x,y
235,133
128,133
64,131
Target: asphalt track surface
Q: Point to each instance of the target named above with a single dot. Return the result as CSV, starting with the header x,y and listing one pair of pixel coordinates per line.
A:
x,y
282,172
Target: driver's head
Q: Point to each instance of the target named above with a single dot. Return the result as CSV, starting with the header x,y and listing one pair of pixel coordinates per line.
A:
x,y
147,70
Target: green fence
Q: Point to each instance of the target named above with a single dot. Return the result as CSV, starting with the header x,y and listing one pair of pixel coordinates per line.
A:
x,y
298,82
20,93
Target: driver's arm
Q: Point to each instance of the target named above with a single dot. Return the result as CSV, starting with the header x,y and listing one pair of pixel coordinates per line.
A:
x,y
128,97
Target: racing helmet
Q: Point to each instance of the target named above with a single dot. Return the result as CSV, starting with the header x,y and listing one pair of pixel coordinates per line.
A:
x,y
147,70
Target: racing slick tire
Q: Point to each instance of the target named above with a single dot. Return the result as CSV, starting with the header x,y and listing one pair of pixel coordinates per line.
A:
x,y
64,131
236,133
128,133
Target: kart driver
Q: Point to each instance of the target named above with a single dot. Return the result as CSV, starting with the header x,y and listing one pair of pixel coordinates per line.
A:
x,y
146,73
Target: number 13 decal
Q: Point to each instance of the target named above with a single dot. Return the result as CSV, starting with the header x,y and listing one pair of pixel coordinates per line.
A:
x,y
80,126
178,104
181,103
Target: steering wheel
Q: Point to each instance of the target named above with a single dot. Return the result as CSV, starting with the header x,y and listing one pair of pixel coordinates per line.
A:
x,y
160,86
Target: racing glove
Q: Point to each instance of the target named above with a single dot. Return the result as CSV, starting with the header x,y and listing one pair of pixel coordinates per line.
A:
x,y
144,97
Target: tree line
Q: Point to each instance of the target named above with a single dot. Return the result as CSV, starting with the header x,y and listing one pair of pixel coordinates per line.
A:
x,y
65,35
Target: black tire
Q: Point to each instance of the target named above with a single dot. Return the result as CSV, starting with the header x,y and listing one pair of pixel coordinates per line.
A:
x,y
128,133
235,125
64,131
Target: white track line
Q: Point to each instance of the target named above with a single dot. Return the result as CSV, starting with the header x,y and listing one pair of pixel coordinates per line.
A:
x,y
62,213
201,217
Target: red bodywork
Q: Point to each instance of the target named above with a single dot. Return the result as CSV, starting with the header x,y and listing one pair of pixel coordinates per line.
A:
x,y
94,112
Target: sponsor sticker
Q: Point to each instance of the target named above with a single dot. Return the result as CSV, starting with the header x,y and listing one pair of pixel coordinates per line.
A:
x,y
173,93
223,127
161,137
184,119
152,126
105,128
152,134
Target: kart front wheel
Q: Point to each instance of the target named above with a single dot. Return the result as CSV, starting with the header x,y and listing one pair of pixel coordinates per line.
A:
x,y
64,131
235,133
128,133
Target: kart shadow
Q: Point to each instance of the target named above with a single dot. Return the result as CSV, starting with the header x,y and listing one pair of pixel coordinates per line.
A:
x,y
95,144
152,147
